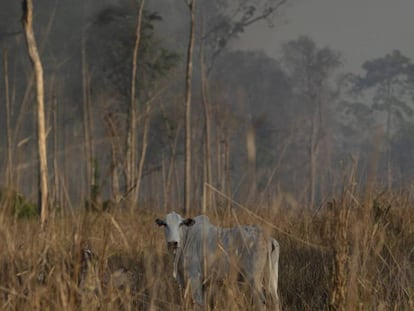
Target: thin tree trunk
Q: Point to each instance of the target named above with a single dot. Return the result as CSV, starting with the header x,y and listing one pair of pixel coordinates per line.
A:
x,y
314,140
27,21
388,138
87,129
56,199
131,135
171,166
9,167
115,156
227,170
312,163
219,155
143,152
189,71
207,130
251,161
31,81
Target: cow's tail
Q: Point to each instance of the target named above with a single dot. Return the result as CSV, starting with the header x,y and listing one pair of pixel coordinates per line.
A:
x,y
274,270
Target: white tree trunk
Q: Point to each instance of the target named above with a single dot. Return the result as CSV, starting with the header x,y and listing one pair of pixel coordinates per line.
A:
x,y
27,21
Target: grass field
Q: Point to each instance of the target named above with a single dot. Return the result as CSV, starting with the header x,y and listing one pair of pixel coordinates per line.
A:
x,y
352,253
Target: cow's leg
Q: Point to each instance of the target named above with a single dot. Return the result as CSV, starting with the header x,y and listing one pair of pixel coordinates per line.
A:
x,y
273,260
196,289
256,291
254,278
258,296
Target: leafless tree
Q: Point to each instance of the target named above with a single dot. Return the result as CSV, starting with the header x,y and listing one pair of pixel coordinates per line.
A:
x,y
189,73
27,21
9,173
131,135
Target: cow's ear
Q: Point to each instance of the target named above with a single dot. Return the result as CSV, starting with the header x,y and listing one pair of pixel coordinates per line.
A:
x,y
188,222
160,222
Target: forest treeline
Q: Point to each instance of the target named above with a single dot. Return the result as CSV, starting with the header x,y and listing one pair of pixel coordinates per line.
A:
x,y
264,127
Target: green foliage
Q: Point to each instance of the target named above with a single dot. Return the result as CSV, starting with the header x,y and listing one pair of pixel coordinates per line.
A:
x,y
390,68
93,202
308,66
19,206
388,76
24,209
113,34
226,20
385,89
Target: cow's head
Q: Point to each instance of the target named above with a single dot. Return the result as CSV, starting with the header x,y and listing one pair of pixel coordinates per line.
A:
x,y
173,225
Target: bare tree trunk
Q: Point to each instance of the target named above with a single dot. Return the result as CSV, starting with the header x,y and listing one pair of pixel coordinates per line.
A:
x,y
312,162
9,166
143,151
207,130
56,199
314,143
219,167
87,129
171,166
388,138
27,21
251,161
115,156
189,72
227,170
131,135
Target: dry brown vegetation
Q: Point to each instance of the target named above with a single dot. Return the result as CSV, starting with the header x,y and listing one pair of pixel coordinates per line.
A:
x,y
346,255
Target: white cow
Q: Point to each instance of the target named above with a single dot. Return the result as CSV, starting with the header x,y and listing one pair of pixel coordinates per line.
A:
x,y
203,251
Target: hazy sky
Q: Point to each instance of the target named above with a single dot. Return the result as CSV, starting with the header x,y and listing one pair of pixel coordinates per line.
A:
x,y
359,29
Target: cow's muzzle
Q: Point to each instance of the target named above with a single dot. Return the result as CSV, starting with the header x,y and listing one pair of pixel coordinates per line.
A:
x,y
172,246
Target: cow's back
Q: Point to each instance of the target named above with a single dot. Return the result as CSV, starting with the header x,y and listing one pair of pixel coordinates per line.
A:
x,y
248,248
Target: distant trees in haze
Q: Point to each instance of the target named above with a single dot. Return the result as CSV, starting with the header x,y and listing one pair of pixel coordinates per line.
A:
x,y
311,70
224,21
260,125
251,95
379,112
114,31
388,78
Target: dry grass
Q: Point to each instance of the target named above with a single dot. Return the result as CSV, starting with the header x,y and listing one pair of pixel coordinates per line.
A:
x,y
347,255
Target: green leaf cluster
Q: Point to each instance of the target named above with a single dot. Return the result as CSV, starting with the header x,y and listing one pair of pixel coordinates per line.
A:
x,y
20,207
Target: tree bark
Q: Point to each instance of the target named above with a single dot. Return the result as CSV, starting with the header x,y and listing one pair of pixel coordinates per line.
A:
x,y
388,135
115,156
87,130
27,21
9,167
251,162
143,152
207,130
312,162
56,190
189,71
168,198
131,136
227,171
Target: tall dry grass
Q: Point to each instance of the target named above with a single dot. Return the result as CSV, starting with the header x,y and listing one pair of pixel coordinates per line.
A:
x,y
347,255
